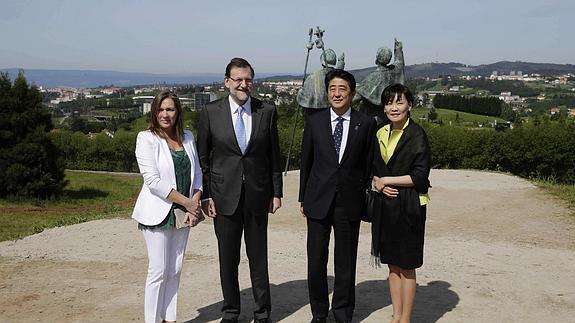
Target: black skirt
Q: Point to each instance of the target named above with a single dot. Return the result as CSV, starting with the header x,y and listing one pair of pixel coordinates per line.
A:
x,y
398,231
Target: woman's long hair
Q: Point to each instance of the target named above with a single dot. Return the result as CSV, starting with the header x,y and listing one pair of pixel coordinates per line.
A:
x,y
178,125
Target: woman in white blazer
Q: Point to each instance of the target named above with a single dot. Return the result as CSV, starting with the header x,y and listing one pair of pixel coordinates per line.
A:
x,y
168,161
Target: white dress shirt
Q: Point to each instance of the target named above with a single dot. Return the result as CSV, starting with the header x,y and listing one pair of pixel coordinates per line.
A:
x,y
346,120
247,116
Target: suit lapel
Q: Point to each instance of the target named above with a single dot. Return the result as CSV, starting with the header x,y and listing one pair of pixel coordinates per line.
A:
x,y
228,124
167,155
351,134
256,120
188,146
191,152
329,132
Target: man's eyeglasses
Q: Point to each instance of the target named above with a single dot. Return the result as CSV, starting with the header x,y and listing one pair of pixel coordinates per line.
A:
x,y
240,81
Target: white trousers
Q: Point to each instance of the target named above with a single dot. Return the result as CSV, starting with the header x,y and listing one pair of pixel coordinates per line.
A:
x,y
166,250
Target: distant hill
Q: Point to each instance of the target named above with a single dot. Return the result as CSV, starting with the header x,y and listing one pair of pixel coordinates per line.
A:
x,y
503,67
525,67
89,78
281,77
433,70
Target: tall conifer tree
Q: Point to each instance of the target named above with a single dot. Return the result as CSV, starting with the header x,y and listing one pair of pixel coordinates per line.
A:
x,y
30,164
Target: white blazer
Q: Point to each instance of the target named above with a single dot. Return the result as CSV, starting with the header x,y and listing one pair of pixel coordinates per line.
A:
x,y
157,168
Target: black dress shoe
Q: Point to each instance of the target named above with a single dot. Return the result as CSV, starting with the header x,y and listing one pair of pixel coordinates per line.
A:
x,y
318,320
262,320
229,321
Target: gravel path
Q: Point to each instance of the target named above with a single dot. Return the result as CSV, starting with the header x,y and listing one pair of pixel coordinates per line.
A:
x,y
498,249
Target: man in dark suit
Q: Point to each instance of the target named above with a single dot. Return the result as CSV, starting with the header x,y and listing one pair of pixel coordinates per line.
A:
x,y
335,167
240,158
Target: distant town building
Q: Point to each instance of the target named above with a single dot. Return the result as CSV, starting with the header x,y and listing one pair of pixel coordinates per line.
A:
x,y
433,93
93,96
146,107
508,98
563,80
290,87
515,76
203,98
111,90
265,95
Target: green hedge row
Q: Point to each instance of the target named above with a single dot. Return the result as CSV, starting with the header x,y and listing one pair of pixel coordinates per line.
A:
x,y
489,106
541,148
101,153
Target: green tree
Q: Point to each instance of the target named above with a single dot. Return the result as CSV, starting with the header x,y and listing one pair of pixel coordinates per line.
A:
x,y
425,100
30,164
432,115
508,114
124,147
78,124
286,118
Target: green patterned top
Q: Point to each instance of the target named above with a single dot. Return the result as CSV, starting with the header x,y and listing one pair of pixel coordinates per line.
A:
x,y
183,168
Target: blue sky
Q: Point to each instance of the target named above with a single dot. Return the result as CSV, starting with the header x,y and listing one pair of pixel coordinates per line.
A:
x,y
201,36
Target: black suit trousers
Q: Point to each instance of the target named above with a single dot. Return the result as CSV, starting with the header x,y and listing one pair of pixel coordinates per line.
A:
x,y
346,234
229,229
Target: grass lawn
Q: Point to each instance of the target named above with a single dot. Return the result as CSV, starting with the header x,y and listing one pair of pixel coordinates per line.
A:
x,y
88,196
455,117
91,196
562,191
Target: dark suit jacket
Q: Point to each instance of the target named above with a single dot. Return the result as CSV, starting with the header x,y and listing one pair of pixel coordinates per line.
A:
x,y
224,166
321,176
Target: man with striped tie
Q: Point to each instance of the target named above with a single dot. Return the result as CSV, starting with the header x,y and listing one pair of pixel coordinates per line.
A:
x,y
336,157
239,154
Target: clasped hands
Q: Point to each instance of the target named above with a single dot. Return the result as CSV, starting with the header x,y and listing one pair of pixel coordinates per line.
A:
x,y
380,184
193,212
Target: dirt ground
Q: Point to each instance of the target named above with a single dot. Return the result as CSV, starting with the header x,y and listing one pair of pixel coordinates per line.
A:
x,y
497,249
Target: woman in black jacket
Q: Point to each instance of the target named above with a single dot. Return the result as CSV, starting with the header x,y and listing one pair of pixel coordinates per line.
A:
x,y
401,172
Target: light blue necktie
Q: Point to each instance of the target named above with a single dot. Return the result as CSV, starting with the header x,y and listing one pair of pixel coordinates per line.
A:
x,y
241,130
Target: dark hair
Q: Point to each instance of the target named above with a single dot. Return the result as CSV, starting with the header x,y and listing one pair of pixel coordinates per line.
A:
x,y
344,75
179,125
390,92
238,62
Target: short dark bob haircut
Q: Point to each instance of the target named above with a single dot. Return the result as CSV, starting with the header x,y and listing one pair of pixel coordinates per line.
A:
x,y
396,90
